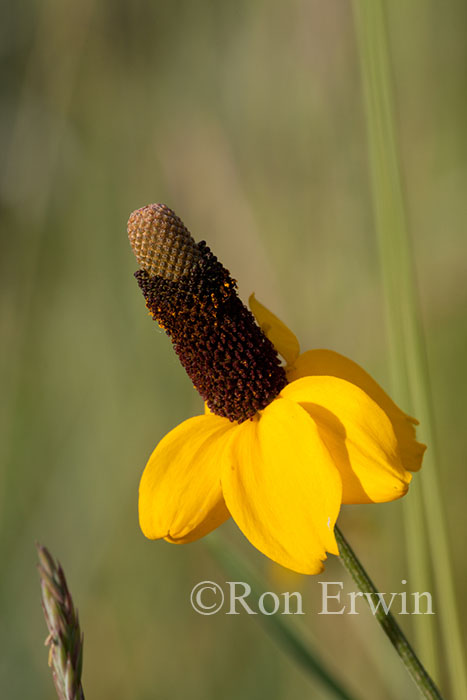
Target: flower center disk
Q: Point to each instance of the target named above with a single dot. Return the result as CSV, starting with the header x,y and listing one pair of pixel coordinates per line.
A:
x,y
230,361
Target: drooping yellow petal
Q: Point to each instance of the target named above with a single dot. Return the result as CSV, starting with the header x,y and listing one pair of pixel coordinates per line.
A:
x,y
327,362
358,435
282,487
273,328
180,496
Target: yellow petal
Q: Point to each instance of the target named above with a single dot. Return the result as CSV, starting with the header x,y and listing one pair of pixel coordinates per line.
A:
x,y
180,496
282,488
358,435
327,362
280,336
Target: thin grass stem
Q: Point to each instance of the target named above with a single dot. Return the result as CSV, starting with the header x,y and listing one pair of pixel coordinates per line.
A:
x,y
406,337
389,214
285,633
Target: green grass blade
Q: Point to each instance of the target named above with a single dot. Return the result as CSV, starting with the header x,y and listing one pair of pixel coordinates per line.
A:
x,y
406,335
281,629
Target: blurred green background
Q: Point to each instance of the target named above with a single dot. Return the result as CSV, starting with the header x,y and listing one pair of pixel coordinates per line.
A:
x,y
247,119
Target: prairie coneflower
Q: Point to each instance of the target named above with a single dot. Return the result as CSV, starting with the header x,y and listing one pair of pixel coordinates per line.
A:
x,y
280,447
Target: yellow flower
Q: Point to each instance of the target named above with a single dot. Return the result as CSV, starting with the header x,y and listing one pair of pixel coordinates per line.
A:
x,y
325,433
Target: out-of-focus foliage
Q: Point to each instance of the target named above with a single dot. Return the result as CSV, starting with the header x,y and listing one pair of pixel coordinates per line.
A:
x,y
247,119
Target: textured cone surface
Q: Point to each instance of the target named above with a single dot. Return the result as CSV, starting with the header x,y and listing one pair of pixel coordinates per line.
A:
x,y
161,243
230,361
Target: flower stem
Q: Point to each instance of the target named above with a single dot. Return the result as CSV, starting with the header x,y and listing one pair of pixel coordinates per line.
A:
x,y
387,621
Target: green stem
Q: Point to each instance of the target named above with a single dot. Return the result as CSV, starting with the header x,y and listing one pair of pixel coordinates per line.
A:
x,y
281,629
387,621
391,223
427,515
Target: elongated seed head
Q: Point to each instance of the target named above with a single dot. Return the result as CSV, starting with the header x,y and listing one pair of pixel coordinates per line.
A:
x,y
230,361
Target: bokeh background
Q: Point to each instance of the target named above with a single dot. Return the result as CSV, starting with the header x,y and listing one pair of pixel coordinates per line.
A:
x,y
246,118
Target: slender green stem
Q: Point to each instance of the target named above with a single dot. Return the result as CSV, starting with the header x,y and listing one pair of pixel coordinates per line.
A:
x,y
387,621
407,339
281,629
391,229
